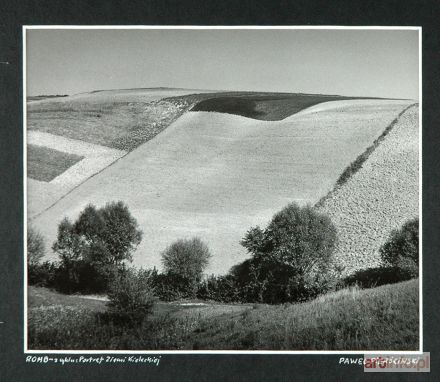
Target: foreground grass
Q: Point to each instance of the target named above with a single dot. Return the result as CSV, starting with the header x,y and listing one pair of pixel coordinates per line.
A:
x,y
383,318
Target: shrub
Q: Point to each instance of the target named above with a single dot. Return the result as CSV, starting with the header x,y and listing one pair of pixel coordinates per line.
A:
x,y
131,295
401,250
291,259
94,246
185,261
35,246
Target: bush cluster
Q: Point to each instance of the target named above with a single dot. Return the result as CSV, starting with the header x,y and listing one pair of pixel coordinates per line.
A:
x,y
291,261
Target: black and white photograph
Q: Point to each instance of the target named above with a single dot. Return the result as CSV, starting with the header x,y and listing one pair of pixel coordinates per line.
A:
x,y
192,189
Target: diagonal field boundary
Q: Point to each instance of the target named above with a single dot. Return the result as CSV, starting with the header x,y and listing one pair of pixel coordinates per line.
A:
x,y
96,157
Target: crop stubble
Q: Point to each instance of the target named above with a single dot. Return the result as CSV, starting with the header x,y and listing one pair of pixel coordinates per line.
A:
x,y
380,197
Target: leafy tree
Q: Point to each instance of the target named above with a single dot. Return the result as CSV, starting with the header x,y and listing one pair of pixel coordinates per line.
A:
x,y
186,260
401,251
107,235
99,241
35,246
292,258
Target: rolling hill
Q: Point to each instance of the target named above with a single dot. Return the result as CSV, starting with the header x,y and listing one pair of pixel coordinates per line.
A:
x,y
215,175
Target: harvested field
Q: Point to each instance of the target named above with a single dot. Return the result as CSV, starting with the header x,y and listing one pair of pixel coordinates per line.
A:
x,y
215,175
380,197
45,164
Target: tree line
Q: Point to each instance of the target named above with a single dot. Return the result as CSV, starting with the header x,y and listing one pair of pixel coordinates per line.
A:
x,y
290,260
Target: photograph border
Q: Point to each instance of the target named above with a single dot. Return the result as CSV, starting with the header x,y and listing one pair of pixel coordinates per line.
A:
x,y
25,28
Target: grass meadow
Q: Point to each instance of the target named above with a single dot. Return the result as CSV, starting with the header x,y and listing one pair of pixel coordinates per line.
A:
x,y
382,318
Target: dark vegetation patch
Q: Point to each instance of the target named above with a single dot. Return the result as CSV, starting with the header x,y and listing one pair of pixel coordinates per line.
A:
x,y
263,106
45,164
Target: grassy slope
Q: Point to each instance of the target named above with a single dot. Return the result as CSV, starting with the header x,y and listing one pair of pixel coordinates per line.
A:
x,y
120,119
215,175
379,197
383,318
45,164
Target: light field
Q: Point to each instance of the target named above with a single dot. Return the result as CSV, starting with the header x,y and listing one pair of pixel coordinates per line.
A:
x,y
380,197
99,126
215,175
